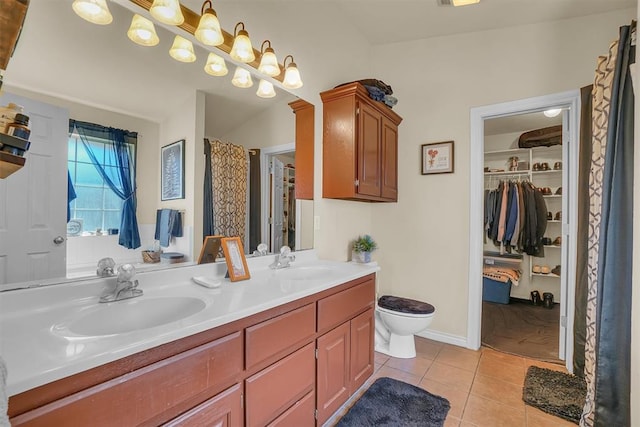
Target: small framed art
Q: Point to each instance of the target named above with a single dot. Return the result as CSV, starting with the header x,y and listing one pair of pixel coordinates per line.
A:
x,y
210,249
437,158
234,256
172,171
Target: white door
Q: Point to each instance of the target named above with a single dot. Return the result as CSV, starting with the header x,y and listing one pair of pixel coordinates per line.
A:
x,y
277,207
33,200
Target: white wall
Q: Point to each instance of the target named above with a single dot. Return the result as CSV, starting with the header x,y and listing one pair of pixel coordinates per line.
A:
x,y
424,238
187,123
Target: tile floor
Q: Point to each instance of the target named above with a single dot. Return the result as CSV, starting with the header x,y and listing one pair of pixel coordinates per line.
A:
x,y
484,387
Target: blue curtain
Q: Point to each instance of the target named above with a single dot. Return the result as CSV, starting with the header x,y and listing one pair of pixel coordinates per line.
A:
x,y
615,263
121,179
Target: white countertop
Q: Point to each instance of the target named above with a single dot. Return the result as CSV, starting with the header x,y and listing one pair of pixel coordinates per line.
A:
x,y
31,320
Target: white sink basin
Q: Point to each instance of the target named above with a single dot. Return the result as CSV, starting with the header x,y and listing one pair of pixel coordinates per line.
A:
x,y
132,315
304,273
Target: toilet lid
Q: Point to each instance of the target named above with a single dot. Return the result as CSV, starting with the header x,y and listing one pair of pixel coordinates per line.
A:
x,y
405,305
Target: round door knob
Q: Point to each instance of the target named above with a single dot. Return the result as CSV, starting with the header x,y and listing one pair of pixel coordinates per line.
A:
x,y
58,240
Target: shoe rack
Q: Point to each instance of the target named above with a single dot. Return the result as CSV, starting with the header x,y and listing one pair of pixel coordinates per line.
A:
x,y
542,166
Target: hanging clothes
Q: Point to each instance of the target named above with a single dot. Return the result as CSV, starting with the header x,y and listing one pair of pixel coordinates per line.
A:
x,y
516,217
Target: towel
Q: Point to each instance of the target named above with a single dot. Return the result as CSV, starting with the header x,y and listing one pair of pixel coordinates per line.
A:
x,y
4,399
168,225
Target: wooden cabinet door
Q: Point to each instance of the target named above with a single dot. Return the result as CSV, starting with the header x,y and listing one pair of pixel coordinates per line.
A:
x,y
361,361
369,126
389,186
222,410
332,385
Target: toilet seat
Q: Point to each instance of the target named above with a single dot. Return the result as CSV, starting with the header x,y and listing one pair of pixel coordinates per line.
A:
x,y
405,306
401,314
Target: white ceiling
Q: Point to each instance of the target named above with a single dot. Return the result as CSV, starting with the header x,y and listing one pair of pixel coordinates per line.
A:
x,y
63,55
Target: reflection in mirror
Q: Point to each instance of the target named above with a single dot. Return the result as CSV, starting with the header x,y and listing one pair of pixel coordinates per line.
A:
x,y
96,74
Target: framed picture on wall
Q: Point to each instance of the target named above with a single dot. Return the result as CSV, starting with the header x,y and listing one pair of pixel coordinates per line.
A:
x,y
437,158
172,171
234,256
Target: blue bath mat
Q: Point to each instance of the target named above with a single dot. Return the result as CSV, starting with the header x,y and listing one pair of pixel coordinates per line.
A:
x,y
393,403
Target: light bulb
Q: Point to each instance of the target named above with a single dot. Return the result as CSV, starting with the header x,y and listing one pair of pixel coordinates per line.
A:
x,y
242,50
242,78
265,90
292,78
215,65
142,31
269,62
552,112
182,50
94,11
208,31
167,11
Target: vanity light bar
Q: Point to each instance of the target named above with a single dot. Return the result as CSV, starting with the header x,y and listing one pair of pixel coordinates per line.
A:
x,y
190,24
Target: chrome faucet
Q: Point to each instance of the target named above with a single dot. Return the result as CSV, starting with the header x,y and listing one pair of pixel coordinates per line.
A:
x,y
125,287
283,259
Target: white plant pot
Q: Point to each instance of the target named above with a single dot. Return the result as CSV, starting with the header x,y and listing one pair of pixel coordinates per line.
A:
x,y
363,257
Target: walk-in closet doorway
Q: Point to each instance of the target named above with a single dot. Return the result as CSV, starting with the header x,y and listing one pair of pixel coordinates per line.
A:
x,y
565,228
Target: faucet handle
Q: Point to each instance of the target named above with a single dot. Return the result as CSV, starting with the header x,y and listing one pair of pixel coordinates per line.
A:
x,y
126,272
105,267
285,251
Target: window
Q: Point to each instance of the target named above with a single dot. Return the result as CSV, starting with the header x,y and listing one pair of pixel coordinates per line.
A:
x,y
96,204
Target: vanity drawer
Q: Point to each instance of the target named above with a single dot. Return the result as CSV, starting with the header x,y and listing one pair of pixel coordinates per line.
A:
x,y
302,413
338,308
269,338
137,396
273,390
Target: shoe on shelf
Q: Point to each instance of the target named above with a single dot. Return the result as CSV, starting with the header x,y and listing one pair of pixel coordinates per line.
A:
x,y
558,241
546,241
556,270
545,269
549,216
559,191
559,216
536,269
557,166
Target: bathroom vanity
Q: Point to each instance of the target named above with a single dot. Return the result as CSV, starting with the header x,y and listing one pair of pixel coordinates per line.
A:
x,y
287,347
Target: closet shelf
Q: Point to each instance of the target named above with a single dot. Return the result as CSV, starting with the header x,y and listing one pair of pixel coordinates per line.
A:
x,y
553,221
550,171
551,275
553,246
552,196
510,151
507,173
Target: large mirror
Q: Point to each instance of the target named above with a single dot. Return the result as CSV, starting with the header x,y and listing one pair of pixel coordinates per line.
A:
x,y
66,68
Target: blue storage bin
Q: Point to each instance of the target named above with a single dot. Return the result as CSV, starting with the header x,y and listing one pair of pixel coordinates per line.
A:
x,y
494,291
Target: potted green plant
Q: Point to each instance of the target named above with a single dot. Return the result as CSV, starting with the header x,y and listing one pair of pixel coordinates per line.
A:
x,y
362,248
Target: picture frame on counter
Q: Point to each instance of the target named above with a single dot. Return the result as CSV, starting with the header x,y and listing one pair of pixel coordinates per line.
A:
x,y
210,249
235,259
172,171
437,158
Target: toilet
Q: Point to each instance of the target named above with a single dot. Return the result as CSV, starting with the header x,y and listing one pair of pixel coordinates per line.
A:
x,y
397,320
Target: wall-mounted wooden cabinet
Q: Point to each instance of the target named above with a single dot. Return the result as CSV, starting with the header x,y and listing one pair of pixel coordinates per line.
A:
x,y
305,119
360,146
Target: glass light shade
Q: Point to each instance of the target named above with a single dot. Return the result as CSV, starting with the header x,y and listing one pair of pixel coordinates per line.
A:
x,y
182,50
242,50
552,112
269,63
208,31
142,31
464,2
265,90
242,78
292,78
167,11
215,65
94,11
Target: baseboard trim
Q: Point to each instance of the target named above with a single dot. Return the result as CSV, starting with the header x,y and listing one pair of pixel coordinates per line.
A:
x,y
444,337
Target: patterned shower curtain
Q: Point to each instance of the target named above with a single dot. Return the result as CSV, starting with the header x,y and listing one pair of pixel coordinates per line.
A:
x,y
608,323
229,188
